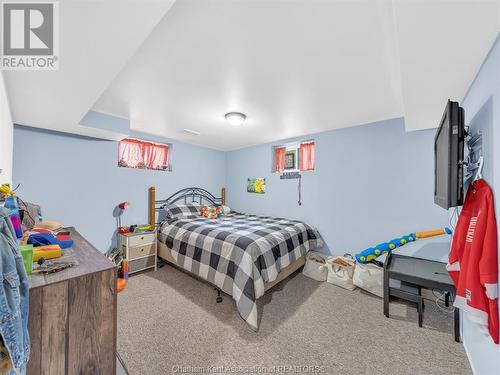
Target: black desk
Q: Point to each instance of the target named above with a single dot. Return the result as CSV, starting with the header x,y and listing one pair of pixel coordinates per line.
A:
x,y
422,273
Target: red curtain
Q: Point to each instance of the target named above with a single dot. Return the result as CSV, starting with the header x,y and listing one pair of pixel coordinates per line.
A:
x,y
130,153
279,159
307,156
134,153
155,156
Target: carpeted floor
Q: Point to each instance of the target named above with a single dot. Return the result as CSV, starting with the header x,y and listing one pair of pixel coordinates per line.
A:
x,y
168,321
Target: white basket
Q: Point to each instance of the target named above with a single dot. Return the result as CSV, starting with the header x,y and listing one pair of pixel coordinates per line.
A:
x,y
341,274
315,266
369,277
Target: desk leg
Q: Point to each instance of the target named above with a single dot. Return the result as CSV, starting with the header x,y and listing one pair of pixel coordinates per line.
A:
x,y
420,311
457,324
386,294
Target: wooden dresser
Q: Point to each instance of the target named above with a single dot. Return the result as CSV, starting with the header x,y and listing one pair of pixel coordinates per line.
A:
x,y
72,317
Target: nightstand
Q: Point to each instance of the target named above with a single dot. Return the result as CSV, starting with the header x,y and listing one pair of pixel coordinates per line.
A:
x,y
139,249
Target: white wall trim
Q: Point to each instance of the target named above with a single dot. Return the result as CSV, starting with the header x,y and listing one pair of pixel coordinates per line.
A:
x,y
469,357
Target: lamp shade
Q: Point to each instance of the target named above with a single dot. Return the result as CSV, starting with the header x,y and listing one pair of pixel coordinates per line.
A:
x,y
123,205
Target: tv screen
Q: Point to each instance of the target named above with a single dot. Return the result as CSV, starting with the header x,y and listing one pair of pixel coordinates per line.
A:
x,y
448,157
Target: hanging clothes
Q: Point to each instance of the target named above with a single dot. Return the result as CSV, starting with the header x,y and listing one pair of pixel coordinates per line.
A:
x,y
473,261
14,294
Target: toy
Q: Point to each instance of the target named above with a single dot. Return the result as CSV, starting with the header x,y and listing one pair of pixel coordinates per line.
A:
x,y
372,253
51,267
120,284
432,233
124,230
143,228
46,252
211,212
41,239
27,254
125,269
11,204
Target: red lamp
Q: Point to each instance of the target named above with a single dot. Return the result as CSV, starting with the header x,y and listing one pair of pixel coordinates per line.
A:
x,y
122,206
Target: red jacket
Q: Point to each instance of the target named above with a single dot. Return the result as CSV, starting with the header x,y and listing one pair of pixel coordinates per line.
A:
x,y
473,263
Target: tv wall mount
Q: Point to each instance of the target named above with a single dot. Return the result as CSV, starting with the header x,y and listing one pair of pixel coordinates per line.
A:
x,y
474,160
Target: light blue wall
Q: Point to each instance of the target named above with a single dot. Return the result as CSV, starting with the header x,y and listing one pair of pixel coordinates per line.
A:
x,y
482,111
99,120
77,182
371,183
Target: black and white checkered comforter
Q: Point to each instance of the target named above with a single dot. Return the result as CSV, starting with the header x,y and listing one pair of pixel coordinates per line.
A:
x,y
238,252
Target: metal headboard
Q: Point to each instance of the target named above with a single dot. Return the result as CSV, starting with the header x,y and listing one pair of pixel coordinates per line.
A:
x,y
187,195
190,195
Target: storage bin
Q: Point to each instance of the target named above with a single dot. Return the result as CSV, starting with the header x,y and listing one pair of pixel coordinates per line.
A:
x,y
315,266
369,277
341,271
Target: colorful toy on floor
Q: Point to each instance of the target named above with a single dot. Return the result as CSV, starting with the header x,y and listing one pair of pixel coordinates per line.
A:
x,y
374,252
125,269
120,284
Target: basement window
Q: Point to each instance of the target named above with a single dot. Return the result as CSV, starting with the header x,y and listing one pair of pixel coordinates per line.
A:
x,y
294,157
139,154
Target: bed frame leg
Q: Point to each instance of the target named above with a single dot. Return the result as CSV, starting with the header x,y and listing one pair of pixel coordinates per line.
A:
x,y
219,296
160,262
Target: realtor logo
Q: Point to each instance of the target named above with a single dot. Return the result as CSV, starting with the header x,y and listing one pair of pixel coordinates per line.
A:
x,y
30,37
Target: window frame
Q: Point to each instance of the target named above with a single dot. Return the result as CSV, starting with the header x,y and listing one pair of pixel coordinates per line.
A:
x,y
295,147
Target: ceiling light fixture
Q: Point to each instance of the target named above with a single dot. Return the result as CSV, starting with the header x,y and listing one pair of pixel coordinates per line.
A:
x,y
235,118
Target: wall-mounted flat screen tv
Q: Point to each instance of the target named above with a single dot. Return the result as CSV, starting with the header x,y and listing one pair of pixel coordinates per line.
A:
x,y
448,158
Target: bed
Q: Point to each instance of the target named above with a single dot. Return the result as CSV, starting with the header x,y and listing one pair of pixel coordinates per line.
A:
x,y
241,254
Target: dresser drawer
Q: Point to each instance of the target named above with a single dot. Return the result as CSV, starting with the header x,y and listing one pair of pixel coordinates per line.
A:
x,y
141,239
141,251
137,265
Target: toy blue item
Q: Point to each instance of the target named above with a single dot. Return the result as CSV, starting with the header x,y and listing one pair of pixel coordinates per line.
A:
x,y
374,252
42,239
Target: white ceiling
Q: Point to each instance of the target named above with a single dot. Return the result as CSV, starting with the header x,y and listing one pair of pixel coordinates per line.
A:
x,y
96,38
441,47
293,67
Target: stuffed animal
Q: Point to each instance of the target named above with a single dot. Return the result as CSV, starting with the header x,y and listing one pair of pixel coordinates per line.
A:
x,y
211,212
374,252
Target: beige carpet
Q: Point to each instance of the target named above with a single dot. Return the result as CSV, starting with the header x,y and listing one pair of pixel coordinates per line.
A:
x,y
167,319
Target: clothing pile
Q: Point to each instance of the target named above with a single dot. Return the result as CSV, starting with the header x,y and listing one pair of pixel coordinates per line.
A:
x,y
14,294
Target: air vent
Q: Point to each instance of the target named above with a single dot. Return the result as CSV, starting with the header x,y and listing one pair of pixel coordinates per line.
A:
x,y
193,132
